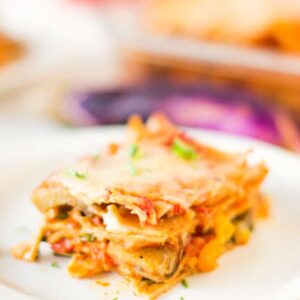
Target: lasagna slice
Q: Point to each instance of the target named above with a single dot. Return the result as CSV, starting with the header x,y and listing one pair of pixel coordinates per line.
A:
x,y
155,208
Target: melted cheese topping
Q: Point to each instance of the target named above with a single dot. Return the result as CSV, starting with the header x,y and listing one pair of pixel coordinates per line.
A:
x,y
159,173
161,177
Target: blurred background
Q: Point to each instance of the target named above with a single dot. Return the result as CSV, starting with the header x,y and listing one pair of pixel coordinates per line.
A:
x,y
226,65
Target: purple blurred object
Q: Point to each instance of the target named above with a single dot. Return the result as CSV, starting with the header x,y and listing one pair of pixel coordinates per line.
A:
x,y
230,109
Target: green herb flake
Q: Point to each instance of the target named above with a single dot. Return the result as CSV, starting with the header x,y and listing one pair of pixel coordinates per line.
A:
x,y
181,298
133,151
55,264
185,283
116,298
77,174
183,150
134,154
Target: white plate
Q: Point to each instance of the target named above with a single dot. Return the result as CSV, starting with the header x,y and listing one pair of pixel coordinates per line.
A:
x,y
267,268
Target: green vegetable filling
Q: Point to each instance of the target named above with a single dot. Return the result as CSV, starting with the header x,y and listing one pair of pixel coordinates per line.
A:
x,y
88,237
147,281
62,215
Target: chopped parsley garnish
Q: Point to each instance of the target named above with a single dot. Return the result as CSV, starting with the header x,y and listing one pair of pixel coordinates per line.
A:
x,y
181,298
88,237
134,154
133,151
77,174
185,283
183,150
116,298
54,264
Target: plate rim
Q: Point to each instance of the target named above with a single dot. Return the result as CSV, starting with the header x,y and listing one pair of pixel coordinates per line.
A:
x,y
208,135
13,294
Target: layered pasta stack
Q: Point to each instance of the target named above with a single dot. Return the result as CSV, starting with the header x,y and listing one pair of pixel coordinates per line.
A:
x,y
156,208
